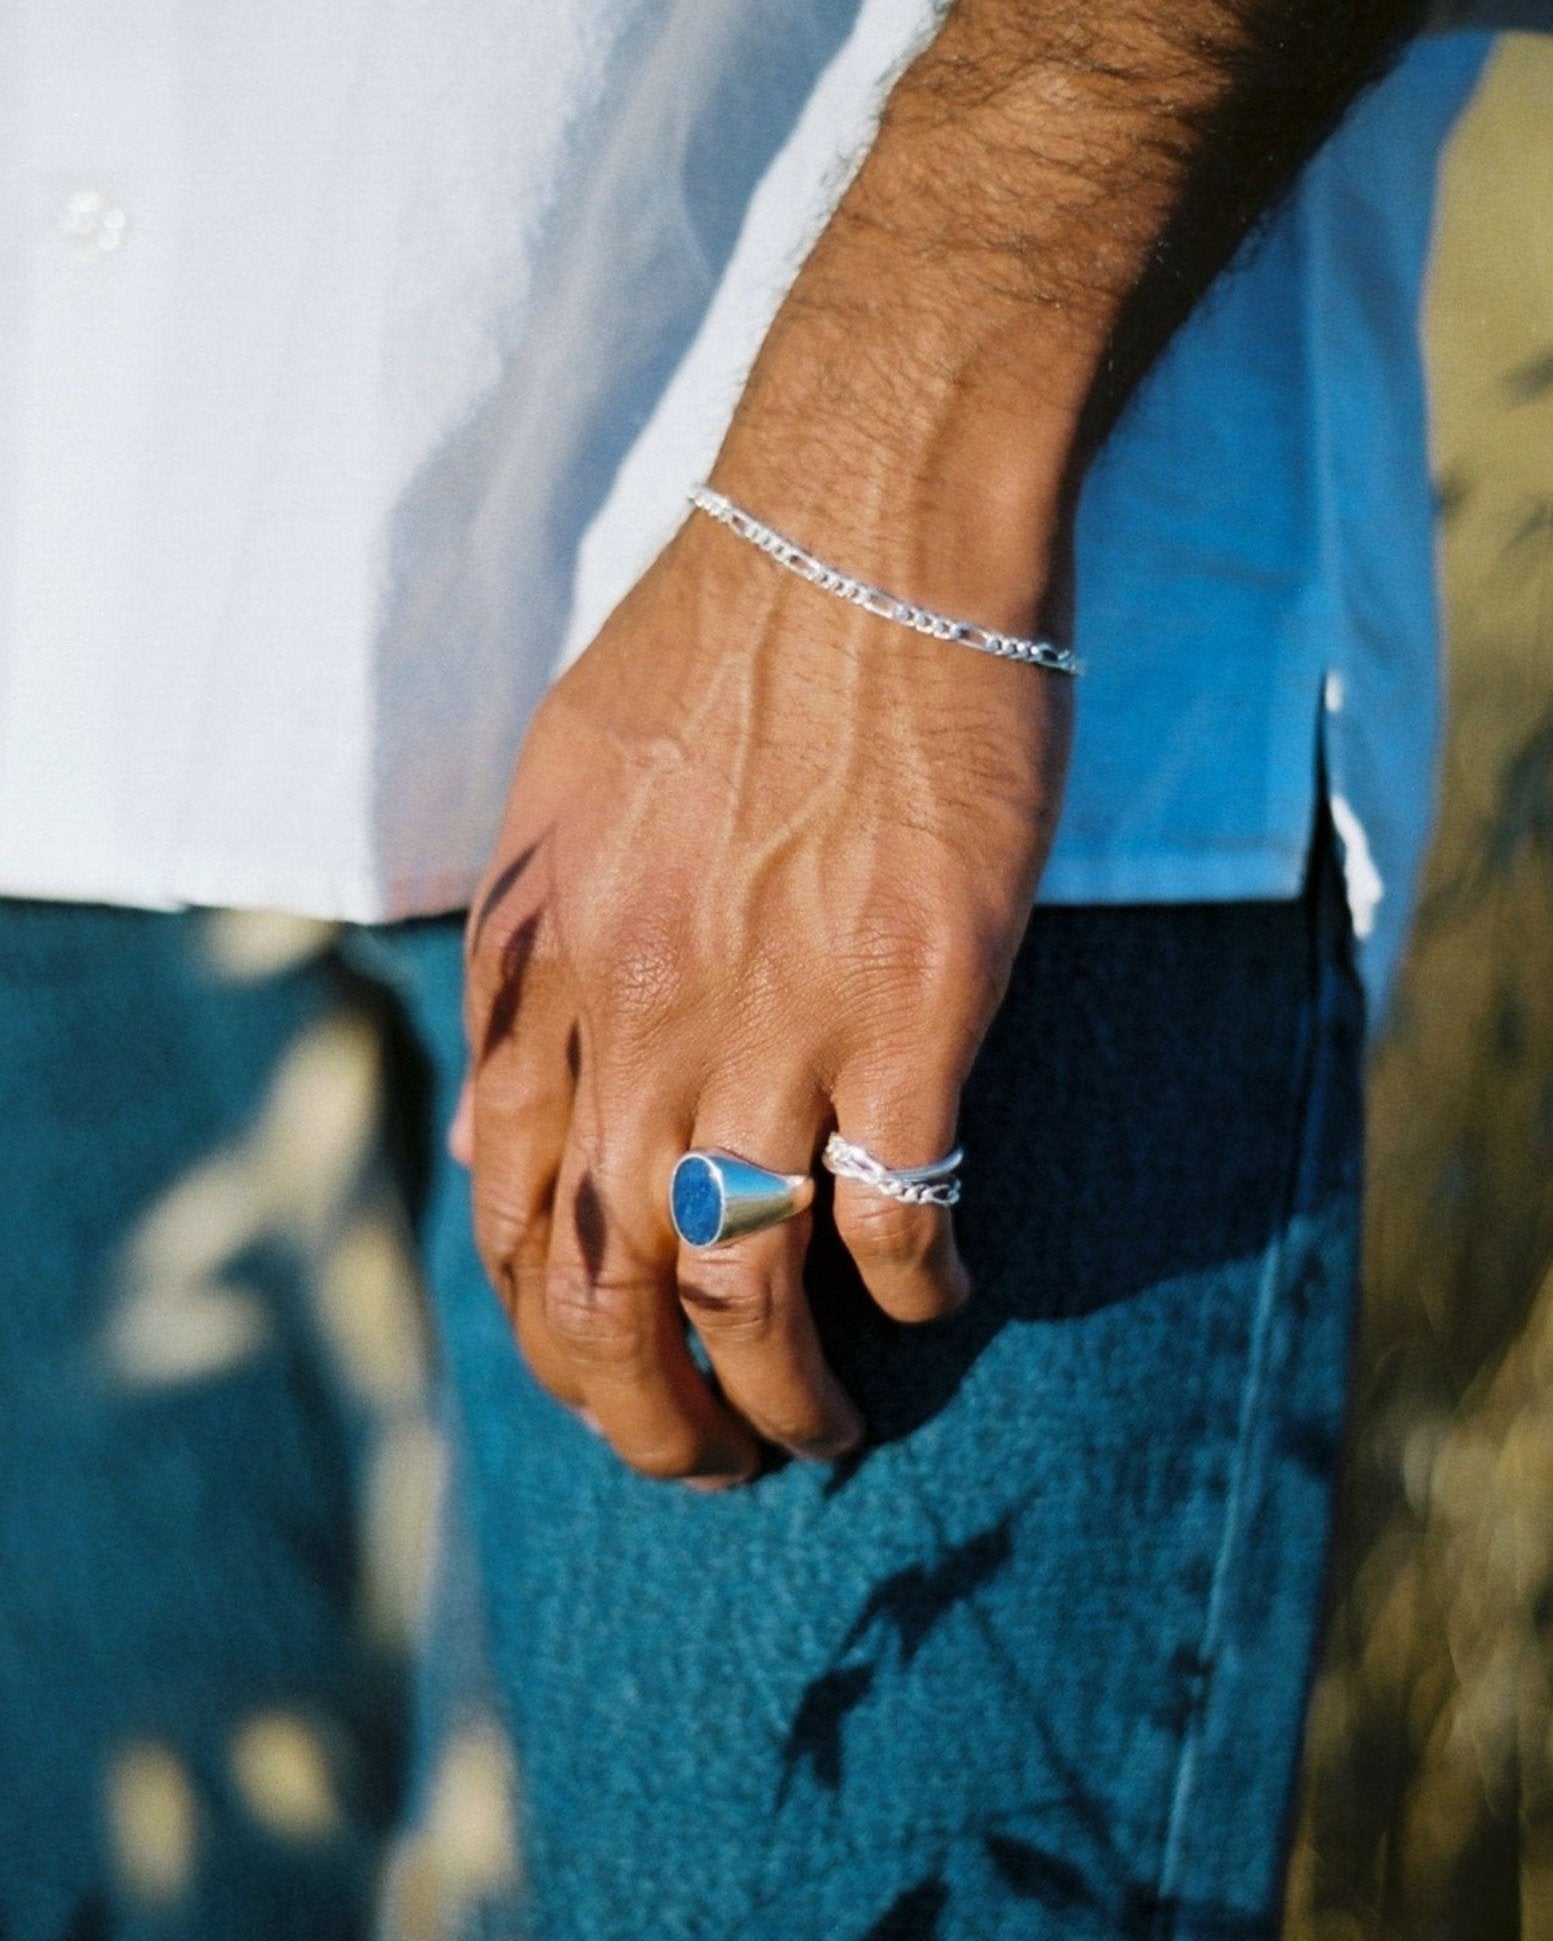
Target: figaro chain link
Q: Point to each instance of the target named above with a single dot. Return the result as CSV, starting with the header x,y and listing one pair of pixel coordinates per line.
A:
x,y
935,1185
872,599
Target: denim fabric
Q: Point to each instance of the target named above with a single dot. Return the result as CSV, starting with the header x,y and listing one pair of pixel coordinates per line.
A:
x,y
1035,1664
180,1566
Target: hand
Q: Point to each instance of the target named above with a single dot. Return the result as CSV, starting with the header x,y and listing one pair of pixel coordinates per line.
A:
x,y
764,870
767,860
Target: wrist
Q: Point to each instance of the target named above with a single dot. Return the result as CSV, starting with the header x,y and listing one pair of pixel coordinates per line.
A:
x,y
940,477
874,600
913,411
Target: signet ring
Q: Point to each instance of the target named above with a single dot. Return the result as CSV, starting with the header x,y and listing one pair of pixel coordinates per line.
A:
x,y
716,1197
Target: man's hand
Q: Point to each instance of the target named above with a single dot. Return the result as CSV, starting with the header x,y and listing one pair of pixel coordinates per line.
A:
x,y
767,859
764,871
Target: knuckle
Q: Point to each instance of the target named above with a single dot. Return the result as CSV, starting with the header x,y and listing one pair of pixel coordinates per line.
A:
x,y
735,1306
515,941
954,976
884,1231
510,1234
914,960
640,977
885,952
514,964
631,956
598,1323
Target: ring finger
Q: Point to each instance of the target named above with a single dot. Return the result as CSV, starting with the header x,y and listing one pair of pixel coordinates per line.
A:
x,y
746,1299
608,1304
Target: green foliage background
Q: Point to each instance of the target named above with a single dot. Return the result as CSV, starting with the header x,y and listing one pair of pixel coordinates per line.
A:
x,y
1428,1810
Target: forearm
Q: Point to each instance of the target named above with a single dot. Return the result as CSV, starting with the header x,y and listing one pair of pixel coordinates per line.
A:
x,y
1051,189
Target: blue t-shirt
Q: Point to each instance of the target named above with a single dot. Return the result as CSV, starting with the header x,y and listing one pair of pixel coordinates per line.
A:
x,y
1256,565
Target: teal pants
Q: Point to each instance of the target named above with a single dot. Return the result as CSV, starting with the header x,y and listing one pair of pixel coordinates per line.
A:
x,y
1033,1665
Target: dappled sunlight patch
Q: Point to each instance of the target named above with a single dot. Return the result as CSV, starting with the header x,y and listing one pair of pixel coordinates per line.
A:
x,y
369,1304
282,1772
153,1823
1484,1717
163,1336
244,946
403,1490
1429,1775
208,1215
470,1824
465,1849
176,1319
183,1315
319,1121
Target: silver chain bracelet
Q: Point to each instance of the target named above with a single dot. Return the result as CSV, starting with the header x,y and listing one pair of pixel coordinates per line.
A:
x,y
873,599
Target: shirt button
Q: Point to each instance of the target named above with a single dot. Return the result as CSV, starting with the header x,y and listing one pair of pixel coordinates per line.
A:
x,y
95,220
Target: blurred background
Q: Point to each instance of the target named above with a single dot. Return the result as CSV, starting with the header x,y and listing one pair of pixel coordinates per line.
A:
x,y
1428,1808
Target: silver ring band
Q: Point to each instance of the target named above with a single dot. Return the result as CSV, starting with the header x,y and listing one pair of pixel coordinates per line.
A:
x,y
937,1184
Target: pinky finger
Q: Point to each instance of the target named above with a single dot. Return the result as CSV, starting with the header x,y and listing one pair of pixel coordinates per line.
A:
x,y
904,1251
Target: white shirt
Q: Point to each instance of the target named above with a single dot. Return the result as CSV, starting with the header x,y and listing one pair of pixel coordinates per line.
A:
x,y
355,358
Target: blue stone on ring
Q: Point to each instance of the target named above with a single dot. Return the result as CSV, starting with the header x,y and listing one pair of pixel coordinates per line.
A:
x,y
715,1197
696,1201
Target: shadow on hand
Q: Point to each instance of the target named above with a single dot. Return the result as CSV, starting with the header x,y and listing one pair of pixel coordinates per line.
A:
x,y
1130,1120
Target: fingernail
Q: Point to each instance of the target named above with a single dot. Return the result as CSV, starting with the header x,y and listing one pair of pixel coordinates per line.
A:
x,y
845,1437
845,1441
713,1485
